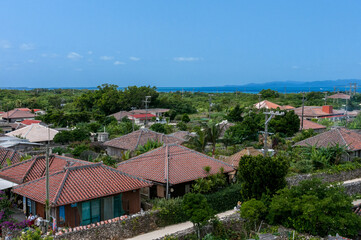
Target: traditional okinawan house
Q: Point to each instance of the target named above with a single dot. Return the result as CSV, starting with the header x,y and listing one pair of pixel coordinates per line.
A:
x,y
325,111
35,133
18,114
9,157
233,160
81,195
172,168
308,124
24,171
130,142
265,104
341,136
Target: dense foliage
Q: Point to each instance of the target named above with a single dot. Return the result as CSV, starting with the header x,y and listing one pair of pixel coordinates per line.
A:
x,y
261,175
316,208
225,199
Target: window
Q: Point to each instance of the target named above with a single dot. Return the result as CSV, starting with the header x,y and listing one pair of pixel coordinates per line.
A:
x,y
118,208
90,211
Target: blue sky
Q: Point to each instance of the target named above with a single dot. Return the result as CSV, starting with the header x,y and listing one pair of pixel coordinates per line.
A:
x,y
177,43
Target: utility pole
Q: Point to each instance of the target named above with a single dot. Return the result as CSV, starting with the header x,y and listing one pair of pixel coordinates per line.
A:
x,y
303,107
210,105
133,108
47,205
350,89
146,101
167,171
325,98
346,113
268,119
259,101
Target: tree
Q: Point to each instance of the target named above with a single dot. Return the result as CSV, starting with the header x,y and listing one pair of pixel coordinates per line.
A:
x,y
213,133
148,146
315,208
198,142
185,118
182,126
288,124
254,211
268,93
158,127
235,115
260,175
197,209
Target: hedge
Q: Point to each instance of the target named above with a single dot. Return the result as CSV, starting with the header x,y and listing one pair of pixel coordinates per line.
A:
x,y
225,199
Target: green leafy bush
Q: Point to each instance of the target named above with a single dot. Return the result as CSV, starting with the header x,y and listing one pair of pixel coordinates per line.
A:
x,y
225,199
315,208
170,210
260,175
253,211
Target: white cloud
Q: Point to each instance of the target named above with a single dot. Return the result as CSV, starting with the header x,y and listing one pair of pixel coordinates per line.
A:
x,y
74,55
119,63
134,58
187,59
31,61
27,46
50,55
78,69
90,52
5,44
295,67
106,58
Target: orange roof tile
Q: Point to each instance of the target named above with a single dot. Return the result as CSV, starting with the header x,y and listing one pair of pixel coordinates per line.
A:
x,y
184,165
80,183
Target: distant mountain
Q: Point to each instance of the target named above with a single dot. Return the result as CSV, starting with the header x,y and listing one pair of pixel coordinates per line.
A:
x,y
289,87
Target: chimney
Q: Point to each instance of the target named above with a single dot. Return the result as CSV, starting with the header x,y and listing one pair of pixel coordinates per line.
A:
x,y
327,109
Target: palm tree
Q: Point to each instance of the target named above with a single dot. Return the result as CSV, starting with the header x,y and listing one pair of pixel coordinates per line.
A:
x,y
198,142
213,133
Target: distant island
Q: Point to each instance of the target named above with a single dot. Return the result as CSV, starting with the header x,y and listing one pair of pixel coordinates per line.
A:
x,y
284,87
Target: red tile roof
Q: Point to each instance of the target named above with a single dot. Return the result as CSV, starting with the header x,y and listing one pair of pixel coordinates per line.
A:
x,y
342,136
142,116
307,124
248,151
266,104
80,183
316,111
17,113
120,115
35,168
29,121
12,155
140,137
339,96
184,165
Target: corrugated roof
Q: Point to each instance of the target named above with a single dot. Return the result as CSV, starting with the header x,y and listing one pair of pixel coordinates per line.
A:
x,y
184,165
81,183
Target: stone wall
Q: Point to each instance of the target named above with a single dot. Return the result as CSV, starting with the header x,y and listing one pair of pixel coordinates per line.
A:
x,y
353,187
115,229
336,177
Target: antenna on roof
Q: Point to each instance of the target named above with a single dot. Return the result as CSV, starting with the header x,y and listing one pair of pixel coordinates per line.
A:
x,y
146,101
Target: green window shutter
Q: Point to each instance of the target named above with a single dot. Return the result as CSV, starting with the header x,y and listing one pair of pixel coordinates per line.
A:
x,y
95,210
85,210
118,208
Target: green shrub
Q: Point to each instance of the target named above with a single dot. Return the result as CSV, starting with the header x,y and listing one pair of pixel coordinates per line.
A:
x,y
225,199
253,211
170,210
315,208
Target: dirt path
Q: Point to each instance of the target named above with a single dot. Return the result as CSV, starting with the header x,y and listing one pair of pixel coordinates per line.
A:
x,y
173,228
